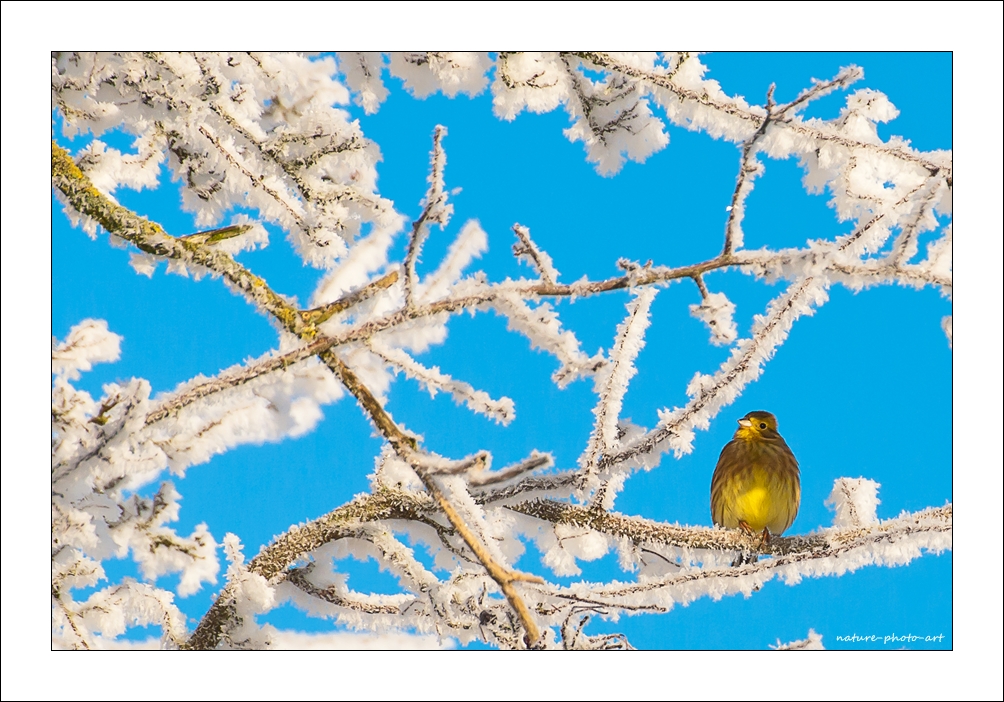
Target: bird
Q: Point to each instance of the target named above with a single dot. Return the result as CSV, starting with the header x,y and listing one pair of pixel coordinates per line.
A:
x,y
755,486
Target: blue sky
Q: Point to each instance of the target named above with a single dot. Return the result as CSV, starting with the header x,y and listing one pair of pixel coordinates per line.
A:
x,y
862,388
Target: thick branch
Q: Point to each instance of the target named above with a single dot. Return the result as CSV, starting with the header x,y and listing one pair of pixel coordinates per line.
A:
x,y
641,530
504,577
150,237
877,544
406,446
295,544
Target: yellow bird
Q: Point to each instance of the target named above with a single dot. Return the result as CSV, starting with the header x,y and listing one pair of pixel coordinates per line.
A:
x,y
756,483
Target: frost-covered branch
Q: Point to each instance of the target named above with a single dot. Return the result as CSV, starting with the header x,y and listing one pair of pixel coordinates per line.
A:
x,y
892,542
505,577
150,238
297,543
612,384
527,250
813,642
642,531
710,393
684,569
436,210
154,240
695,100
534,462
502,410
238,129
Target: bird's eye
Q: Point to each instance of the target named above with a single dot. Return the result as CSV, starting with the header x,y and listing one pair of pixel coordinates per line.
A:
x,y
763,425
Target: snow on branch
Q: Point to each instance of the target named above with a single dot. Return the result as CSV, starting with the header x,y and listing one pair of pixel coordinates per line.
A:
x,y
612,383
832,552
542,327
469,244
502,410
362,73
536,461
710,393
453,72
717,311
813,642
238,130
855,502
108,612
527,251
435,210
750,169
88,343
612,117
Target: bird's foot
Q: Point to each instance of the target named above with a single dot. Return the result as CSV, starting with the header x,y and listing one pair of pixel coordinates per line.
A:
x,y
764,537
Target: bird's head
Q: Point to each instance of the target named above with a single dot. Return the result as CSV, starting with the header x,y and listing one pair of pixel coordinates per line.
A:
x,y
757,425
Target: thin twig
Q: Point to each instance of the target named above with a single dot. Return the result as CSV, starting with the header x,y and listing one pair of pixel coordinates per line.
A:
x,y
535,461
322,313
540,260
231,380
433,211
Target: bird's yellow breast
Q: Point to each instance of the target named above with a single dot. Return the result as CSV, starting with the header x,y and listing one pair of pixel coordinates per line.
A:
x,y
755,502
759,496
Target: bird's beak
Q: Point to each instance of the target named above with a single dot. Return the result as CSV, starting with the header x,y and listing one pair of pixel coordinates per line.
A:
x,y
745,422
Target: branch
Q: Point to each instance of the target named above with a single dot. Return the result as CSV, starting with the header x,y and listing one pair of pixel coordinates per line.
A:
x,y
225,381
407,447
501,410
214,236
504,577
535,461
754,120
151,238
644,531
628,343
749,170
335,595
710,393
821,88
833,551
813,642
323,313
890,542
526,250
435,210
296,544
